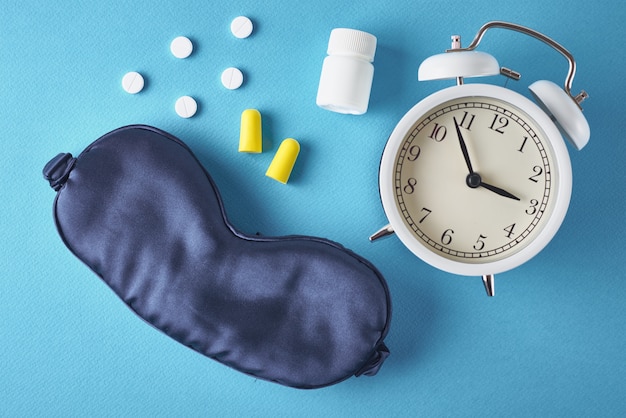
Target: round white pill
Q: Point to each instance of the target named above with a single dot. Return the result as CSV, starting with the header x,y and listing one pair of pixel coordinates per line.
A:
x,y
181,47
232,78
186,107
241,27
132,82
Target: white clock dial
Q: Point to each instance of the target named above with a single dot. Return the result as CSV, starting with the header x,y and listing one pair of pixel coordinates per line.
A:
x,y
471,181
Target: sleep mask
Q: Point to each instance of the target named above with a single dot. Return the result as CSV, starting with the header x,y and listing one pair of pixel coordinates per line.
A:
x,y
140,210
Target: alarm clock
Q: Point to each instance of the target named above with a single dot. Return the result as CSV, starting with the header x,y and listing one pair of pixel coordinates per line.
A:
x,y
476,179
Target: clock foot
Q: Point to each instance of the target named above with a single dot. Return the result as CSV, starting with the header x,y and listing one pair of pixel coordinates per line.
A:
x,y
382,232
488,281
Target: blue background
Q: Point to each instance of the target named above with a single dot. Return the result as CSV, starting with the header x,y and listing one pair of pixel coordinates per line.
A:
x,y
551,343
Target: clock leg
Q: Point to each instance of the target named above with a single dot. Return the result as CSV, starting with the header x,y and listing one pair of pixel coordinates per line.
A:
x,y
488,281
382,232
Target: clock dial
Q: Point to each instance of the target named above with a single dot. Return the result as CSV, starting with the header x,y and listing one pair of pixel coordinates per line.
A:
x,y
474,179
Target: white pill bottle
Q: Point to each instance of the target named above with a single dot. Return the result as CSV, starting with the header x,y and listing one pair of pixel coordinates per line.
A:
x,y
347,72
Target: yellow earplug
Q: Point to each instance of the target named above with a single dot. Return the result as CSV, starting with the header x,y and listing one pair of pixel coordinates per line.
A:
x,y
250,133
282,164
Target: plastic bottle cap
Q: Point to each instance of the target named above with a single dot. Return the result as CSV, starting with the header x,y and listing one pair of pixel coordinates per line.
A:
x,y
352,42
284,160
250,133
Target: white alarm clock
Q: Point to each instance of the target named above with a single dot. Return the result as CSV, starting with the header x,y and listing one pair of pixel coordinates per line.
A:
x,y
476,179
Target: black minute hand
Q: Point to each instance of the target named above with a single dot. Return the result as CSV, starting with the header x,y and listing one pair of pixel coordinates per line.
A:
x,y
463,147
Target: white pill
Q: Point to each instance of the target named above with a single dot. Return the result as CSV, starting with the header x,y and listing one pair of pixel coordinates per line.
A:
x,y
186,107
132,82
181,47
232,78
241,27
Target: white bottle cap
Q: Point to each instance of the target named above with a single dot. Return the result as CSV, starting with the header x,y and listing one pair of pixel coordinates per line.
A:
x,y
352,42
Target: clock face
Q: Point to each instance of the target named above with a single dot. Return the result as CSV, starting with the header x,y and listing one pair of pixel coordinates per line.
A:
x,y
474,181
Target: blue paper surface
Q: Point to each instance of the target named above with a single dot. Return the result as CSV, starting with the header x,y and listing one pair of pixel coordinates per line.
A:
x,y
551,343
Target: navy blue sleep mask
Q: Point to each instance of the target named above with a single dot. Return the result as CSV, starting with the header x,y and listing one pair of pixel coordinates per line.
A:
x,y
140,210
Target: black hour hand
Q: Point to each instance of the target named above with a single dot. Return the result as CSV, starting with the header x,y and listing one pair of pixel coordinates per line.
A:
x,y
499,191
473,180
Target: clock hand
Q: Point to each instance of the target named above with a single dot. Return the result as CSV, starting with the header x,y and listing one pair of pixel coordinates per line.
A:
x,y
498,190
473,179
463,147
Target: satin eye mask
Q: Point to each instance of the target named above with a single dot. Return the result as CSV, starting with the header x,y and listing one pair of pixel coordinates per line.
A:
x,y
139,209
